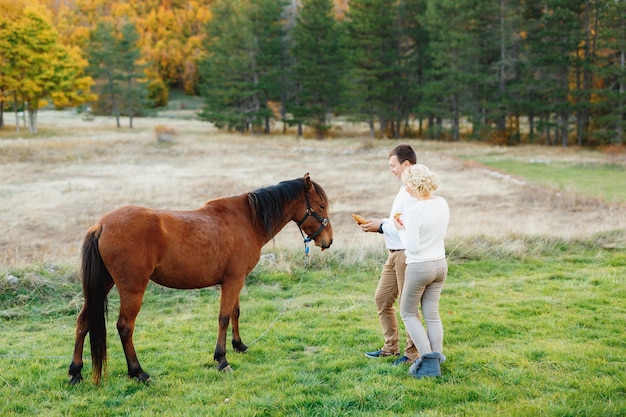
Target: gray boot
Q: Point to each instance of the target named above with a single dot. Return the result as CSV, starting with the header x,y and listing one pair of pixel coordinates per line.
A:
x,y
427,365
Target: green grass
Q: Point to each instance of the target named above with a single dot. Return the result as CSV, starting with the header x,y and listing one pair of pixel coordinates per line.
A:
x,y
179,100
538,332
604,181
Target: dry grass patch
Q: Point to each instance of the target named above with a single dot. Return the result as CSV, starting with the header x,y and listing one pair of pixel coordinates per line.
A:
x,y
54,188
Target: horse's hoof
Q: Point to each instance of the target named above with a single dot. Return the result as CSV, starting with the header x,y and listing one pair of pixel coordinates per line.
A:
x,y
75,379
240,347
144,378
226,369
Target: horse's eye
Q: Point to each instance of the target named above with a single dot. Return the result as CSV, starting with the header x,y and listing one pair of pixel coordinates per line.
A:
x,y
322,207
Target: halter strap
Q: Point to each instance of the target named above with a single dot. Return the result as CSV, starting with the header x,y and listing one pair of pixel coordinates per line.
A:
x,y
310,212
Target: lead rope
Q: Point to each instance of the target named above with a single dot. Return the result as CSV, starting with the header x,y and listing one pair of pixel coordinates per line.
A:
x,y
293,296
306,253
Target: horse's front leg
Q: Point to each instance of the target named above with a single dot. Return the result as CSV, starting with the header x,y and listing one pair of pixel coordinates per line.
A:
x,y
228,299
82,327
220,347
238,345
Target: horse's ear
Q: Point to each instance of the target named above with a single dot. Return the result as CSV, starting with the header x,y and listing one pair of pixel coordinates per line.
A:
x,y
308,182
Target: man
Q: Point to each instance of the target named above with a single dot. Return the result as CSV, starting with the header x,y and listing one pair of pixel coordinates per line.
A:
x,y
392,275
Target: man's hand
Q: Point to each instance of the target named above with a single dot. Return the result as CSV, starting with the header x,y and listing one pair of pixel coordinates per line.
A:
x,y
371,225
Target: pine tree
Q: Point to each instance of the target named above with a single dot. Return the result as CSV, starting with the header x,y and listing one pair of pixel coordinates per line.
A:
x,y
318,64
241,74
103,67
584,62
493,31
372,55
130,73
448,92
268,31
226,80
414,59
611,72
114,63
554,34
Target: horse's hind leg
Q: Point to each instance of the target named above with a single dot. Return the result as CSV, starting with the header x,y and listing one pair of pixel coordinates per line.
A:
x,y
130,303
238,345
82,328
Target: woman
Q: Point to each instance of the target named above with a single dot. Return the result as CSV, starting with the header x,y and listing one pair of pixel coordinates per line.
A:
x,y
422,229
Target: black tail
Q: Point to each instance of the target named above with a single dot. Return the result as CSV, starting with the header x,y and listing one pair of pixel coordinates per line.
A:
x,y
95,278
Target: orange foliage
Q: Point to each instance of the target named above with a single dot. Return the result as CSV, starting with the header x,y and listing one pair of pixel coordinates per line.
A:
x,y
171,32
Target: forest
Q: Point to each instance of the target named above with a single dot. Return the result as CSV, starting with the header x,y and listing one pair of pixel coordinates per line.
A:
x,y
502,71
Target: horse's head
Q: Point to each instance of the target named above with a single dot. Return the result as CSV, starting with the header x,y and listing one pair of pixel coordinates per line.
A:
x,y
314,220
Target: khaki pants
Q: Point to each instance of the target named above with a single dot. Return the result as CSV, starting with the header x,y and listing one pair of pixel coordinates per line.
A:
x,y
388,291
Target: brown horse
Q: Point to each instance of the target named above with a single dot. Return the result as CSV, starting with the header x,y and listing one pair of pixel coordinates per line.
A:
x,y
217,244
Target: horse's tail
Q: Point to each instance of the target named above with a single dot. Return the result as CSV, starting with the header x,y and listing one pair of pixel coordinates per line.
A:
x,y
95,277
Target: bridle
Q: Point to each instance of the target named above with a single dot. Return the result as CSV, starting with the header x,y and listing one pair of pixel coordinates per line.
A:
x,y
310,212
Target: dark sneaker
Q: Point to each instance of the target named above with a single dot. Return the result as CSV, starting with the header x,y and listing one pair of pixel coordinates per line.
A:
x,y
379,354
401,360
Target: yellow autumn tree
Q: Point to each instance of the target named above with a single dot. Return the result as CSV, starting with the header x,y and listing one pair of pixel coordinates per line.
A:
x,y
36,67
10,11
170,32
172,41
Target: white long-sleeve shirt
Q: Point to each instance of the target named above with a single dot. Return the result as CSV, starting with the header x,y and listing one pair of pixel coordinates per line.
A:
x,y
401,203
425,226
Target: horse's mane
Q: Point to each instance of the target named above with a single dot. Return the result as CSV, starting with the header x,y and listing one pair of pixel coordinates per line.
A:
x,y
267,203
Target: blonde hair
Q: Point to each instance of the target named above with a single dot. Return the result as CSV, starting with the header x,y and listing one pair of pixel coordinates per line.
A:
x,y
420,179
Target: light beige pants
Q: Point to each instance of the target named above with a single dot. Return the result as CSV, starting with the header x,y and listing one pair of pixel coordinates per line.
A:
x,y
423,285
389,289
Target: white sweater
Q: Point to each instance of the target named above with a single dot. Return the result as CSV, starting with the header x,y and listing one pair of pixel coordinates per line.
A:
x,y
425,226
401,203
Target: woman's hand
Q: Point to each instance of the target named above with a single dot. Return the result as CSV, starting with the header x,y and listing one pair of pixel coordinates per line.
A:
x,y
397,222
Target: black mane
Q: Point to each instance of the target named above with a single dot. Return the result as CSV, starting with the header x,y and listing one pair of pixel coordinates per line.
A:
x,y
268,203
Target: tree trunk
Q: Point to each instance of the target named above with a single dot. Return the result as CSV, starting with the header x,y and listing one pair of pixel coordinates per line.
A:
x,y
563,122
501,118
456,134
131,109
439,131
619,129
32,120
431,126
585,85
383,124
17,115
455,120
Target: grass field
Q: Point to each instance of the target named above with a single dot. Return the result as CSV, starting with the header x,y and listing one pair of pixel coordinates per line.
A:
x,y
598,180
533,308
533,335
